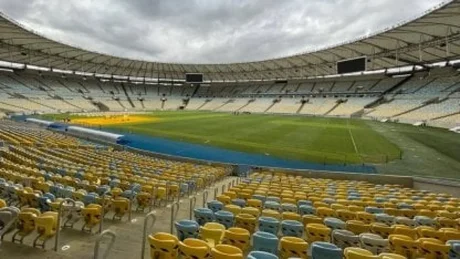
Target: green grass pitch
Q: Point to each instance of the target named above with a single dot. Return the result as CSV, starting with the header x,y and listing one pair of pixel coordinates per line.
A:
x,y
323,140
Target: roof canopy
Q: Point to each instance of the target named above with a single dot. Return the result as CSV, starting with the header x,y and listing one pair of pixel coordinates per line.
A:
x,y
430,38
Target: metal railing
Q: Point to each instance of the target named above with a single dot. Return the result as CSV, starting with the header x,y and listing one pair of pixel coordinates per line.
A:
x,y
174,211
205,197
152,216
192,206
105,233
58,228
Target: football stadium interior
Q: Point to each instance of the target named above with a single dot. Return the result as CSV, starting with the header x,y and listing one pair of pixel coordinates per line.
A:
x,y
350,151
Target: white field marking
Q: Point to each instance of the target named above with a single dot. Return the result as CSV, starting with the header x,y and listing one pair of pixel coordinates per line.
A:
x,y
352,138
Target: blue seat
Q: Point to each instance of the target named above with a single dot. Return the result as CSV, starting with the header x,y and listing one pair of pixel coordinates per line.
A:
x,y
67,192
203,215
56,190
334,223
454,252
90,198
135,187
292,228
353,198
426,221
380,199
324,250
304,202
103,189
307,210
374,210
384,218
273,198
259,197
129,194
239,202
215,205
272,205
184,188
225,218
269,224
186,229
43,201
261,255
264,241
288,207
329,200
114,183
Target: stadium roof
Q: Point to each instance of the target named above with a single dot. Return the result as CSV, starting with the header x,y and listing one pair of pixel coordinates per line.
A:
x,y
432,37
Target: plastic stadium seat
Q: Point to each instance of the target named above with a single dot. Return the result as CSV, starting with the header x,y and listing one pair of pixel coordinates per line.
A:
x,y
163,245
344,238
2,203
233,209
26,223
225,218
251,210
307,219
317,232
255,203
384,218
346,214
289,207
357,226
358,253
269,224
46,225
203,215
324,250
261,255
120,206
246,221
271,213
324,212
239,202
374,243
92,215
426,221
291,216
433,248
212,233
293,247
403,245
272,205
292,228
187,229
263,241
192,248
7,216
238,237
405,230
307,210
226,252
334,223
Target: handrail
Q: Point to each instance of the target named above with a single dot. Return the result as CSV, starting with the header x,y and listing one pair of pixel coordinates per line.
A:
x,y
130,210
178,191
174,211
58,229
101,224
152,216
216,190
205,197
109,233
192,206
223,188
154,195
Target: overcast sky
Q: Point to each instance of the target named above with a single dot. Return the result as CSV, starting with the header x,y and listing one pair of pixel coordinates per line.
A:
x,y
208,31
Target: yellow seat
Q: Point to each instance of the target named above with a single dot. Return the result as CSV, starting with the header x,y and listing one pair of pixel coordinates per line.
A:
x,y
46,226
92,215
307,219
2,203
246,221
26,223
116,192
120,206
271,213
365,217
357,226
238,237
324,212
432,248
405,230
251,210
163,246
358,253
447,223
254,203
291,216
212,233
143,200
403,245
233,209
226,252
450,234
381,229
293,247
192,248
226,200
345,214
391,256
317,232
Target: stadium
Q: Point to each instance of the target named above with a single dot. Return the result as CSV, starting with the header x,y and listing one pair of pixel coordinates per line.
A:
x,y
345,151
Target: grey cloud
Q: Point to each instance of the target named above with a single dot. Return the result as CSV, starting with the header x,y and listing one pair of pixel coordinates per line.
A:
x,y
208,31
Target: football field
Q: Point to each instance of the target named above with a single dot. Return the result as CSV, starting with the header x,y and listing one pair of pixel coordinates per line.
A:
x,y
312,139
